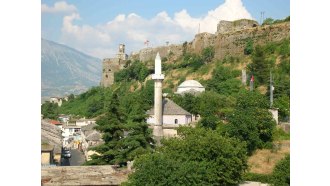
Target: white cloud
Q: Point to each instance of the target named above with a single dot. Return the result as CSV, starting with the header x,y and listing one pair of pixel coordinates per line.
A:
x,y
133,30
61,6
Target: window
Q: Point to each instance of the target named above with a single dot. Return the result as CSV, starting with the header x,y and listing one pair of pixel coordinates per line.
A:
x,y
176,121
106,76
109,70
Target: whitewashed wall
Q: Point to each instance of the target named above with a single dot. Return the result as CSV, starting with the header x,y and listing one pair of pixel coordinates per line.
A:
x,y
170,119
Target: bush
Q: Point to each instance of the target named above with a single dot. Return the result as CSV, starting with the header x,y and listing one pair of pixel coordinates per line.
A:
x,y
248,47
281,172
200,157
263,178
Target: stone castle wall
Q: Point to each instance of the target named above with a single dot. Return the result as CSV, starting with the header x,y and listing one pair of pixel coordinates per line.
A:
x,y
228,40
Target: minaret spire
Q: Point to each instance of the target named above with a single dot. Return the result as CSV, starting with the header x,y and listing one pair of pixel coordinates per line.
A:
x,y
158,77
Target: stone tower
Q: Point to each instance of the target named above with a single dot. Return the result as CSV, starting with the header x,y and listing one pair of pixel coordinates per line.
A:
x,y
112,65
158,77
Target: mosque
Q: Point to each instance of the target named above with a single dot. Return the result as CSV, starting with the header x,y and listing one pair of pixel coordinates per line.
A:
x,y
166,116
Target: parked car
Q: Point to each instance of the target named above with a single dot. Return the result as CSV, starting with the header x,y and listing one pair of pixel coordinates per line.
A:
x,y
66,153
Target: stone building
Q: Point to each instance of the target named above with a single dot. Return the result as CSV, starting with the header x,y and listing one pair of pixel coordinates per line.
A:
x,y
112,65
232,26
172,114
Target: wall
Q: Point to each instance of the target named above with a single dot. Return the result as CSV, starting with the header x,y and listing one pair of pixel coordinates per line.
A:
x,y
229,43
45,158
110,66
169,119
82,175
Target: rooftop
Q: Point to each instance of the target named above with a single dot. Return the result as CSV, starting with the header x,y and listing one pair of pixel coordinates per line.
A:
x,y
170,108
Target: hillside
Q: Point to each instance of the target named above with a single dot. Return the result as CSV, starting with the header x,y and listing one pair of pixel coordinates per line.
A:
x,y
65,70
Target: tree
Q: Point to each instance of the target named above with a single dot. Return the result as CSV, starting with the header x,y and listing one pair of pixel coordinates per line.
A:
x,y
281,172
259,67
248,47
199,157
125,133
49,110
208,54
268,21
251,121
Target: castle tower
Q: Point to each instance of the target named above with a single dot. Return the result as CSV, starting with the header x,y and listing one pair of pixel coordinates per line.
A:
x,y
112,65
121,53
158,77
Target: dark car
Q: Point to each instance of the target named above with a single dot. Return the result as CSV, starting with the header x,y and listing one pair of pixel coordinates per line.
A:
x,y
66,153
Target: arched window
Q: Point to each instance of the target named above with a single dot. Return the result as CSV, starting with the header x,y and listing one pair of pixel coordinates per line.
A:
x,y
106,76
176,121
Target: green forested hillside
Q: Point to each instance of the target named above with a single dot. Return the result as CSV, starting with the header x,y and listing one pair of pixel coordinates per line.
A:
x,y
233,115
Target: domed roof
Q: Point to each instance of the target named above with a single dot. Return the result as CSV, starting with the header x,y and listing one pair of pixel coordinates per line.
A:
x,y
190,84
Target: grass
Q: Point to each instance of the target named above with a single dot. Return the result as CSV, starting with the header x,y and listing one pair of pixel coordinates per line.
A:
x,y
263,161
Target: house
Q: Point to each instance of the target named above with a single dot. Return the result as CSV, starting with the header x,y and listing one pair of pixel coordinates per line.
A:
x,y
64,118
56,123
90,138
84,122
51,134
69,130
173,114
56,100
47,154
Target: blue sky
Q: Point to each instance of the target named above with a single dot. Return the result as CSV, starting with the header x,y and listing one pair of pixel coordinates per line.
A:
x,y
97,27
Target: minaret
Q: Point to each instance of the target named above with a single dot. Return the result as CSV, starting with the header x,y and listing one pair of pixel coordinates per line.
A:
x,y
158,77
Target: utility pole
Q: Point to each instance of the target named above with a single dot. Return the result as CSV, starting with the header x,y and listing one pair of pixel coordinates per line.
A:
x,y
271,89
262,17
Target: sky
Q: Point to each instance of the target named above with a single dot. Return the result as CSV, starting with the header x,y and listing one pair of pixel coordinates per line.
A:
x,y
98,27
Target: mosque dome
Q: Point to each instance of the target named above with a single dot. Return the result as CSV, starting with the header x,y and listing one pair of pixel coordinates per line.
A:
x,y
190,86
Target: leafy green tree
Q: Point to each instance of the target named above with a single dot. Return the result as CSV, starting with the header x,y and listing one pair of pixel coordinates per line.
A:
x,y
283,105
136,71
251,121
281,172
208,54
199,157
268,21
248,47
49,110
259,67
187,101
209,122
206,99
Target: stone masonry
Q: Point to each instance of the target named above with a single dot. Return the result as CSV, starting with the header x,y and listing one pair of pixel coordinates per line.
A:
x,y
230,39
112,65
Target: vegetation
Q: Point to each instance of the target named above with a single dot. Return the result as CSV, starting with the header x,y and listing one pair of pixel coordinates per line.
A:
x,y
251,121
49,110
200,157
248,47
281,172
235,122
124,115
136,71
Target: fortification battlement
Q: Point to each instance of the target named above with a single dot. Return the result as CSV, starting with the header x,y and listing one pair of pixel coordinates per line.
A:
x,y
232,26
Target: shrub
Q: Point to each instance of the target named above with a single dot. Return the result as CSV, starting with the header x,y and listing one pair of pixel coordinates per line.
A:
x,y
281,172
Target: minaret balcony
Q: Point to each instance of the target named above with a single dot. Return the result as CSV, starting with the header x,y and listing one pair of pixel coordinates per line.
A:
x,y
158,76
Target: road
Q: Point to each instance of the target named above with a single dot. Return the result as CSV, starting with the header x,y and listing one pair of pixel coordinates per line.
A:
x,y
77,158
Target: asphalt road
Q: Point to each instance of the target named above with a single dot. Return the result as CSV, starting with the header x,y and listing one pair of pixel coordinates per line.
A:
x,y
77,158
